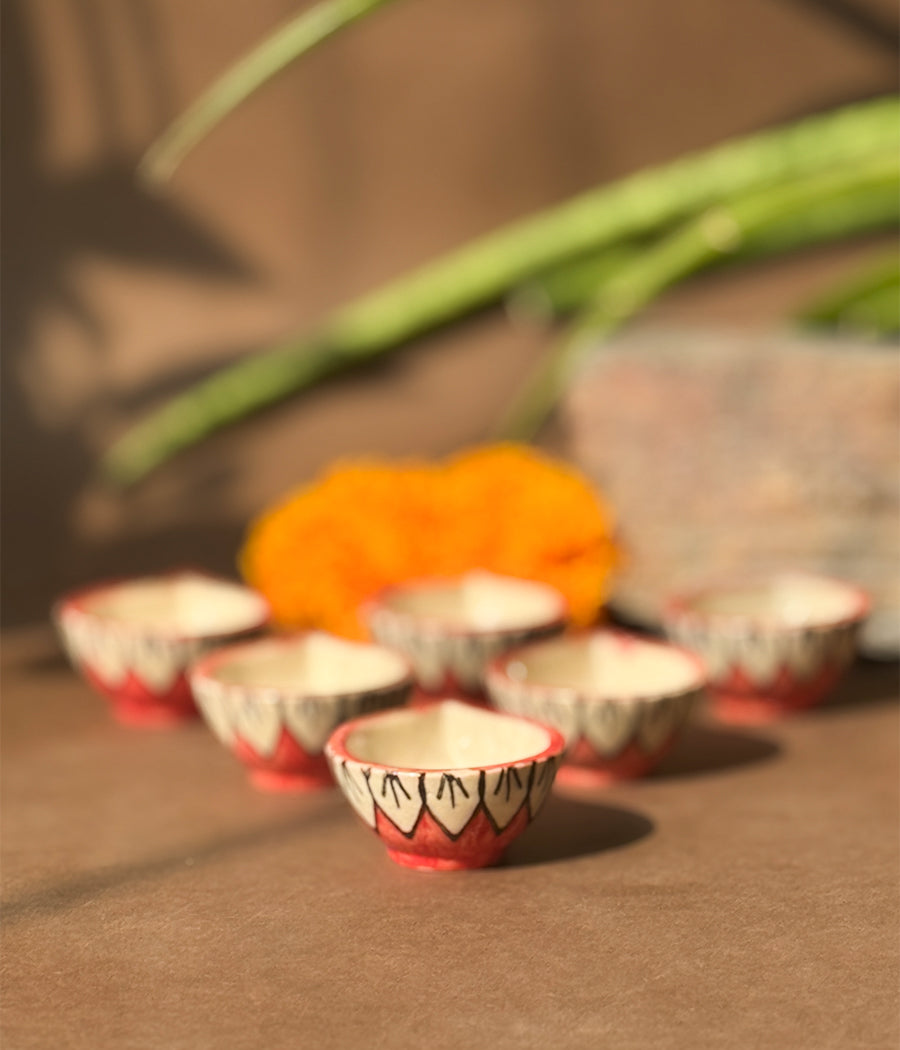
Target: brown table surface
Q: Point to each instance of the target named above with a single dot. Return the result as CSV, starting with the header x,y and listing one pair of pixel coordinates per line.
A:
x,y
746,896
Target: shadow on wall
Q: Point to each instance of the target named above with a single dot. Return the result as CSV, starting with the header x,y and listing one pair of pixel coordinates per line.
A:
x,y
557,124
51,219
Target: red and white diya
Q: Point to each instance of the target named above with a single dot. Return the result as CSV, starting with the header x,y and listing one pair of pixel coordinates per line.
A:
x,y
133,639
771,647
274,702
447,786
620,700
451,628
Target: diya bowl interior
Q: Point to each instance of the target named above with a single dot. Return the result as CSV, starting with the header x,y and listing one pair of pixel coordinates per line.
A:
x,y
275,701
133,639
447,786
619,700
771,646
451,628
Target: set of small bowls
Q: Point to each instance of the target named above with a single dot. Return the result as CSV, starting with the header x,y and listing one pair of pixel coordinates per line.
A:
x,y
449,783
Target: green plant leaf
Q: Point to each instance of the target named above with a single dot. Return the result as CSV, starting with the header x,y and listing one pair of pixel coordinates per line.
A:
x,y
867,304
482,272
299,36
834,203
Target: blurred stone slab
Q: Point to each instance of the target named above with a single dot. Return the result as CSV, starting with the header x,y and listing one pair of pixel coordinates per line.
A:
x,y
727,452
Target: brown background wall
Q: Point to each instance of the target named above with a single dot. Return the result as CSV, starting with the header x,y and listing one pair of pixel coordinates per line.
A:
x,y
433,122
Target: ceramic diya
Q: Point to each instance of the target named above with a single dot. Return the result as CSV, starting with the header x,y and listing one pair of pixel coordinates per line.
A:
x,y
447,786
773,646
619,700
451,628
134,639
274,702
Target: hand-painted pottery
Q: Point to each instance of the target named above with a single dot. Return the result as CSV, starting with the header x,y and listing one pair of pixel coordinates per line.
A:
x,y
447,786
451,628
274,702
771,647
619,700
134,639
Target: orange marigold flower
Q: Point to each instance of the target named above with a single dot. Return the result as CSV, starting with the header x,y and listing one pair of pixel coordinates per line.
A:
x,y
330,545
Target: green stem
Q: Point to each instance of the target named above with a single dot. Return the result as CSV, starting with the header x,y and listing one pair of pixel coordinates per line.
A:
x,y
567,288
833,203
869,302
304,32
875,315
483,271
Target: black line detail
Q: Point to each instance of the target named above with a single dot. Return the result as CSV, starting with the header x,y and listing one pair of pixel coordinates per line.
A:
x,y
367,773
395,783
505,777
452,784
447,779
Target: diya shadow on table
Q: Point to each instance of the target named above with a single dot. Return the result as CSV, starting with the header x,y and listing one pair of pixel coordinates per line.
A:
x,y
570,828
704,749
870,682
54,897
